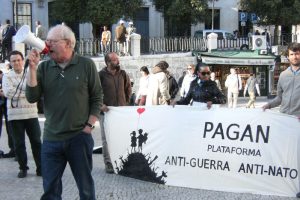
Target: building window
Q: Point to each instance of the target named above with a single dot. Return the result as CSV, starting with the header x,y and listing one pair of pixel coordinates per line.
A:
x,y
23,15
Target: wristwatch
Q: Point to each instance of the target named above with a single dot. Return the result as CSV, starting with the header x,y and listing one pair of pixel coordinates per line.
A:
x,y
90,125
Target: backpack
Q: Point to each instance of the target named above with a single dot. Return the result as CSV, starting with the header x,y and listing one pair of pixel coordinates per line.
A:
x,y
128,96
173,87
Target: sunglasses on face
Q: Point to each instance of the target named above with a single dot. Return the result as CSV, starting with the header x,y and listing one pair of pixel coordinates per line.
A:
x,y
204,73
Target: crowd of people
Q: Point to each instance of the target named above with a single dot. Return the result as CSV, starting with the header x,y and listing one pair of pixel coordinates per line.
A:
x,y
85,94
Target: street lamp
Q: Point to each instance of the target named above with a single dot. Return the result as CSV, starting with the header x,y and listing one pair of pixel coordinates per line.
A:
x,y
16,13
212,14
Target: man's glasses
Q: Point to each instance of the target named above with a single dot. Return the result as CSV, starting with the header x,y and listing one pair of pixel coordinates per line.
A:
x,y
53,41
205,73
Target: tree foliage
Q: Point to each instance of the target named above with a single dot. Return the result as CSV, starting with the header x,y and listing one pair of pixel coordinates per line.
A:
x,y
274,12
98,12
180,14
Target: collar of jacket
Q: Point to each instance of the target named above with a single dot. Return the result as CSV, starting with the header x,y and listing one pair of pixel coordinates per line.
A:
x,y
73,61
156,70
204,82
105,69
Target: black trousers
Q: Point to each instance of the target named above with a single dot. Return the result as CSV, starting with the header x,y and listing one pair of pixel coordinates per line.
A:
x,y
6,49
33,131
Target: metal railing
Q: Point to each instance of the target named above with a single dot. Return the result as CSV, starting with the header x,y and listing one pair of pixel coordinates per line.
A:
x,y
246,43
238,43
283,39
92,47
177,44
157,45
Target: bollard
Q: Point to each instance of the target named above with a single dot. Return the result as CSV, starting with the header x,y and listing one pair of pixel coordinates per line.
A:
x,y
212,41
135,42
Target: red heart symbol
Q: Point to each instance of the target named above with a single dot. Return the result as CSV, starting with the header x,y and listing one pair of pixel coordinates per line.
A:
x,y
140,110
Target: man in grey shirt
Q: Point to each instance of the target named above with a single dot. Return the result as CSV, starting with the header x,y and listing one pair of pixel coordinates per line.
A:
x,y
288,88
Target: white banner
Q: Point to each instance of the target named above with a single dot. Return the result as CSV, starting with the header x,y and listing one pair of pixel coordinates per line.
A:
x,y
235,150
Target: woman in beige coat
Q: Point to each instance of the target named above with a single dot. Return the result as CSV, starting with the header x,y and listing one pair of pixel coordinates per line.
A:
x,y
158,88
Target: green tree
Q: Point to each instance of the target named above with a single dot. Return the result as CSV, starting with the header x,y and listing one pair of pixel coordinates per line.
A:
x,y
98,12
180,14
274,12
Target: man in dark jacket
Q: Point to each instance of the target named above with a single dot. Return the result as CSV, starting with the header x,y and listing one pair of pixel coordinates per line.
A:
x,y
117,91
7,34
203,89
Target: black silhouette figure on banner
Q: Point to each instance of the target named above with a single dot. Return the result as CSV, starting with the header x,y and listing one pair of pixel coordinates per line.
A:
x,y
150,163
117,168
154,168
137,165
149,157
142,139
163,174
133,141
121,158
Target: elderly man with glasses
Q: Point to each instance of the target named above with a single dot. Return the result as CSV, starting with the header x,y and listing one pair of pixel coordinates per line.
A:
x,y
72,99
202,89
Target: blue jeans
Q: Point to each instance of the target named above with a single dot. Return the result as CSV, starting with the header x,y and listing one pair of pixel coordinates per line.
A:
x,y
77,151
105,152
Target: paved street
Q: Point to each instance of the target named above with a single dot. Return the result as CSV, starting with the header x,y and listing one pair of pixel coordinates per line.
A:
x,y
108,186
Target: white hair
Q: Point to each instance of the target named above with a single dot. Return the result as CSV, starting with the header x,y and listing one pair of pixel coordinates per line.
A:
x,y
65,33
